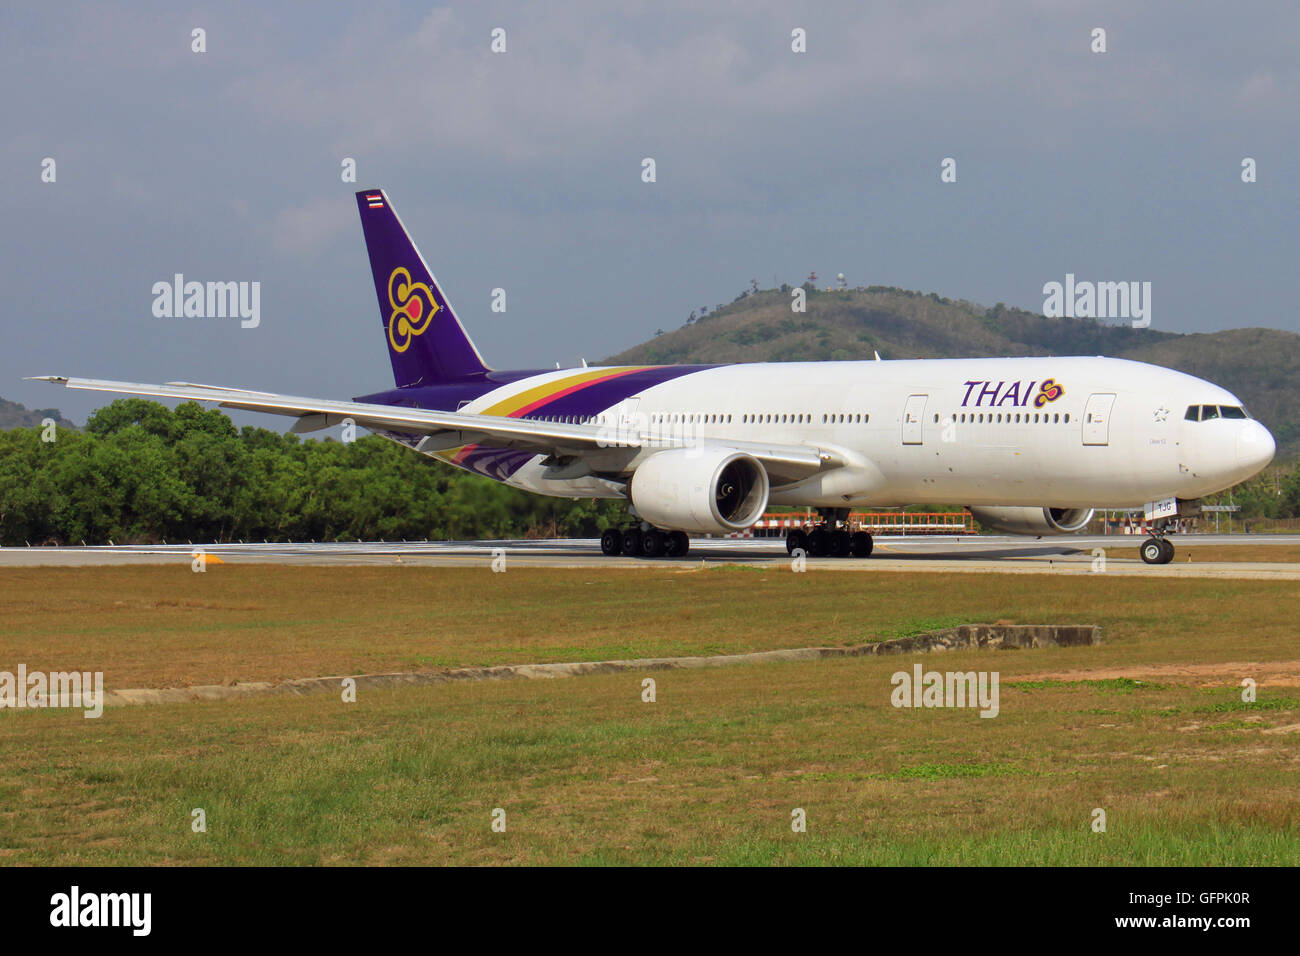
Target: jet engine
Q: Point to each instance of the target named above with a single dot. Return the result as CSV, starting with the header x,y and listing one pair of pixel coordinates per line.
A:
x,y
1037,521
705,490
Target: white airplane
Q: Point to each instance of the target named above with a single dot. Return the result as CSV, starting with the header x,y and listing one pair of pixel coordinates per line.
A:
x,y
1029,445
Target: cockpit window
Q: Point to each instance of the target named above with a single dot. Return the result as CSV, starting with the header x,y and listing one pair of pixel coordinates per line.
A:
x,y
1203,413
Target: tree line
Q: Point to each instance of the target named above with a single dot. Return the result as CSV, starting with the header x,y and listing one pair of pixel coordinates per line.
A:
x,y
142,473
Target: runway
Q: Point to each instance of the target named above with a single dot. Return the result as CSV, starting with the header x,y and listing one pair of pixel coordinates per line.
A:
x,y
928,553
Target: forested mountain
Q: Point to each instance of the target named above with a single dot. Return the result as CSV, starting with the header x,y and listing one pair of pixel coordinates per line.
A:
x,y
1262,366
13,415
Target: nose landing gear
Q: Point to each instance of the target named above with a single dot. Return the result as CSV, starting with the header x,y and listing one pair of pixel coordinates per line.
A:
x,y
1157,549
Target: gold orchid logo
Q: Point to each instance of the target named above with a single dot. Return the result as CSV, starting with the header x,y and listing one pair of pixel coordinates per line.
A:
x,y
1049,391
413,309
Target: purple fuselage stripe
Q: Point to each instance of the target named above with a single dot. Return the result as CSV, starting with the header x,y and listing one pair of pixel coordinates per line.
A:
x,y
502,463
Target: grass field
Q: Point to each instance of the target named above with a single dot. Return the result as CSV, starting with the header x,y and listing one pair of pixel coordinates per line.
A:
x,y
1149,727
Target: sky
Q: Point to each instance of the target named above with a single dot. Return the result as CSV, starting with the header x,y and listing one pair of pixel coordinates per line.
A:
x,y
523,170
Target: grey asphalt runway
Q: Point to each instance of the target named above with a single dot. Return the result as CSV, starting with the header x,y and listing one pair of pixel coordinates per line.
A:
x,y
948,554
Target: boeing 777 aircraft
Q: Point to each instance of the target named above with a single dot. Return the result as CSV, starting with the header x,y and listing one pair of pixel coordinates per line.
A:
x,y
1029,445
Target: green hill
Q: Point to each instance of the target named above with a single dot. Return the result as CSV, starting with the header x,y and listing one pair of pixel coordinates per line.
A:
x,y
13,415
1262,366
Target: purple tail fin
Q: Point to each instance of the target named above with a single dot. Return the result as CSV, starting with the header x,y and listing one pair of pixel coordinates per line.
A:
x,y
426,342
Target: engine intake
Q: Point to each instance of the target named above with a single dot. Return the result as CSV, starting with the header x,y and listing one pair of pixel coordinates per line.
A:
x,y
1036,521
703,490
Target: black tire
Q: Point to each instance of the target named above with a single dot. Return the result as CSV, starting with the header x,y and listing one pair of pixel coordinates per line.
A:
x,y
679,543
611,542
795,540
632,542
862,544
653,543
1152,551
841,544
819,543
1168,547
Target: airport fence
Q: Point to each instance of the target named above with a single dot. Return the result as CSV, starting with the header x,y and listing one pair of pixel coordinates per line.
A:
x,y
876,522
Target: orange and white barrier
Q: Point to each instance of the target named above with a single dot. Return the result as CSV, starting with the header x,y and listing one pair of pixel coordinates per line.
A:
x,y
876,522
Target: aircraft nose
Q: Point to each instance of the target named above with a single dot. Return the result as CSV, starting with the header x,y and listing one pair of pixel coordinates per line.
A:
x,y
1255,446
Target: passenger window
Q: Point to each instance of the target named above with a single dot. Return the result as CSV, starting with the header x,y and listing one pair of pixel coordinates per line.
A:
x,y
1067,418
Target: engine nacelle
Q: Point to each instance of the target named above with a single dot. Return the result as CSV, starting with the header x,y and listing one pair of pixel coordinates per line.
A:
x,y
1033,520
707,490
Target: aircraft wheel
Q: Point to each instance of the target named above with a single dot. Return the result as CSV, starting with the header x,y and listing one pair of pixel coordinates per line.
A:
x,y
1167,547
841,544
678,544
819,543
653,543
611,542
862,544
1153,552
632,541
795,540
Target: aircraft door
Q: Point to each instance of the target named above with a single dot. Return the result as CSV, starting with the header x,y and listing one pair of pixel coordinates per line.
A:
x,y
629,422
1096,418
913,416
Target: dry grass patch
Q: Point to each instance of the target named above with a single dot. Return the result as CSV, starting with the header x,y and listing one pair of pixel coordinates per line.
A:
x,y
164,626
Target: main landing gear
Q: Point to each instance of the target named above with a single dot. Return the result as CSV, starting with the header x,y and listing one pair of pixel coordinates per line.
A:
x,y
651,543
831,536
1157,549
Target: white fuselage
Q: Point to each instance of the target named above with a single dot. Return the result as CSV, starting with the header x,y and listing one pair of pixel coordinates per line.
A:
x,y
1111,433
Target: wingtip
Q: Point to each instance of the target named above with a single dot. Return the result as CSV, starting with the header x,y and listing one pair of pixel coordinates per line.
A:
x,y
56,379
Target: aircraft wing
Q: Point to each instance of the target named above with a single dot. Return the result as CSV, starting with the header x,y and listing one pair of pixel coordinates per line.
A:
x,y
452,429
